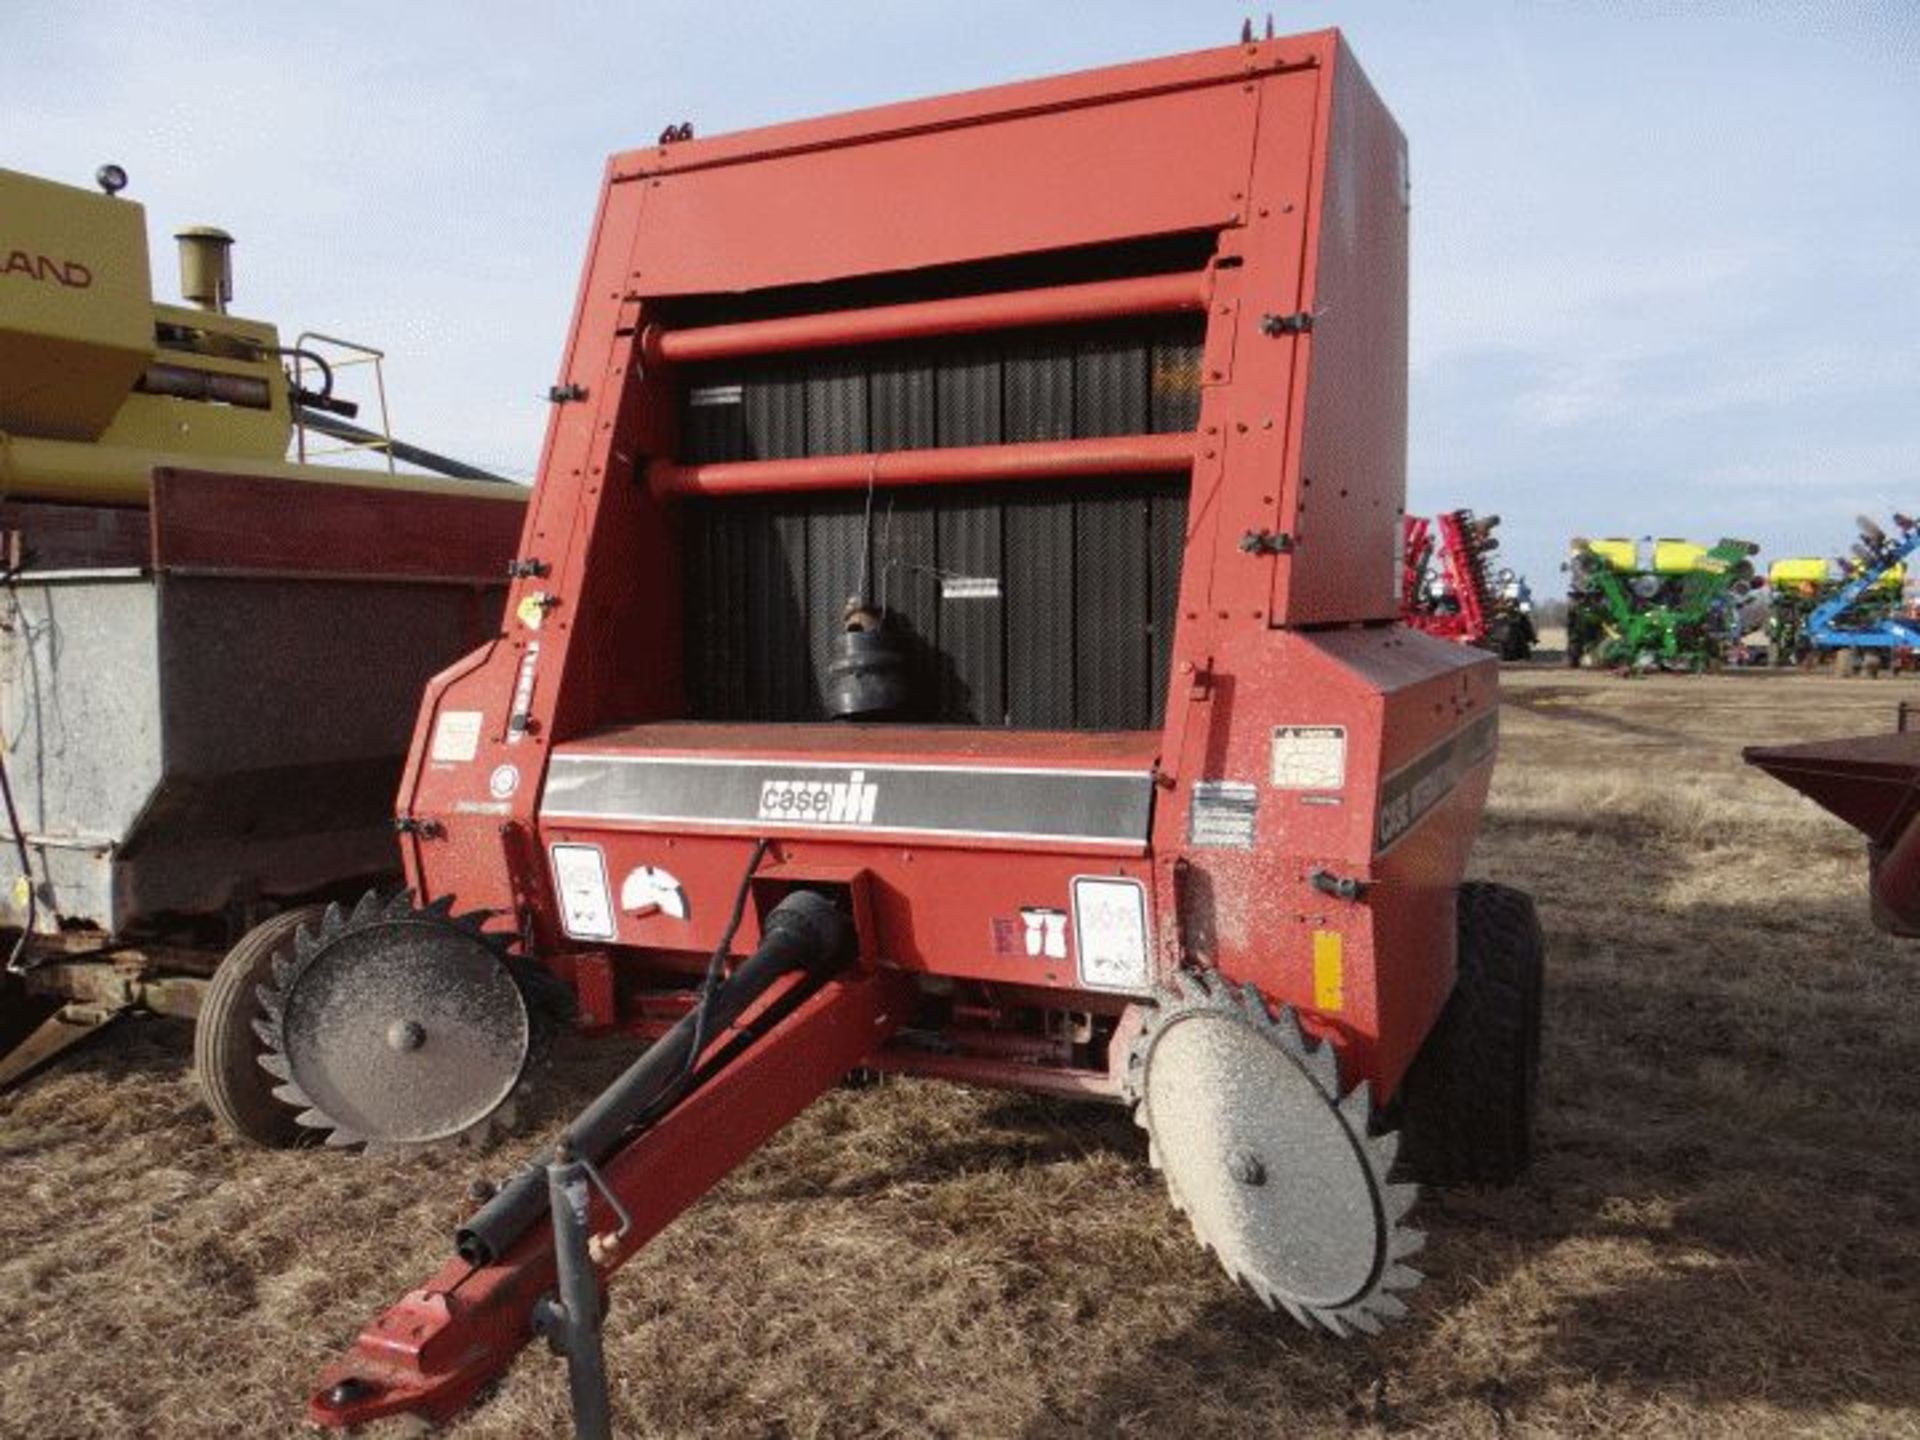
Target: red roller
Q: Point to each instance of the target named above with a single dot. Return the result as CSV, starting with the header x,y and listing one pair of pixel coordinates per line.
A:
x,y
1039,460
968,314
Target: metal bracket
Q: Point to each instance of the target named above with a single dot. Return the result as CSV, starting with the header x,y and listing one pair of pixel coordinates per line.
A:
x,y
1298,323
561,394
528,569
1341,887
414,825
1266,542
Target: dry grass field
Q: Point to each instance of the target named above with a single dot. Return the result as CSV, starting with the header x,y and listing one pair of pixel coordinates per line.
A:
x,y
1722,1236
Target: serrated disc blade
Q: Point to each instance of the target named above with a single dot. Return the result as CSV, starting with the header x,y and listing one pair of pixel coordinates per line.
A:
x,y
1220,1096
403,1032
1275,1169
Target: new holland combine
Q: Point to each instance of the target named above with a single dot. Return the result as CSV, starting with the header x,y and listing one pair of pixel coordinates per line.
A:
x,y
1450,588
211,656
955,634
1683,606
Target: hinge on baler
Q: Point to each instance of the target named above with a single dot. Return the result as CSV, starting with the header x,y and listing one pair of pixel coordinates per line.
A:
x,y
528,569
1266,542
1298,323
561,394
414,825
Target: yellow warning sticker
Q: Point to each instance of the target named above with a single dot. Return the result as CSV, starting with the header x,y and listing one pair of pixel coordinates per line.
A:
x,y
1329,972
532,610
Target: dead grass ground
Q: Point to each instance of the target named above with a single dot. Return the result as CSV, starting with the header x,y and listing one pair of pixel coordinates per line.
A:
x,y
1722,1237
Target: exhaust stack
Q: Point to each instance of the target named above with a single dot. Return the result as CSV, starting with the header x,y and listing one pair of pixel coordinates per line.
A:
x,y
206,267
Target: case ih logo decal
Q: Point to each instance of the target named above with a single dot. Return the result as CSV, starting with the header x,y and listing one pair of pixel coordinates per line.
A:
x,y
68,274
1414,789
1104,808
820,802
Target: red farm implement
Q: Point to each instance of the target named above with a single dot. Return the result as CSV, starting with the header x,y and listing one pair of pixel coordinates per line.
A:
x,y
1449,588
1873,783
955,634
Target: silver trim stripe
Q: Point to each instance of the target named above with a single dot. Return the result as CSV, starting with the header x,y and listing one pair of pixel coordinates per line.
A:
x,y
1078,807
1416,787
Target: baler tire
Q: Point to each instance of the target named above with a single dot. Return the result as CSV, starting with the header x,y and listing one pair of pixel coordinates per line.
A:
x,y
1466,1107
226,1052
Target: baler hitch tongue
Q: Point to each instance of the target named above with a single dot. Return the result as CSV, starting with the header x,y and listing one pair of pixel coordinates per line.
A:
x,y
785,1026
805,932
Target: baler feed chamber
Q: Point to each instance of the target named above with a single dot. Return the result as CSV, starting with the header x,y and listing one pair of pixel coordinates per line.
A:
x,y
1035,611
1026,605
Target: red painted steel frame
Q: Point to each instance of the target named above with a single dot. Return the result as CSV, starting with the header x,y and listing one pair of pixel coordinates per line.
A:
x,y
432,1352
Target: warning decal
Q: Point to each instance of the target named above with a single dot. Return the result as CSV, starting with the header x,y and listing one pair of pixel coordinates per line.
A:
x,y
1309,757
456,737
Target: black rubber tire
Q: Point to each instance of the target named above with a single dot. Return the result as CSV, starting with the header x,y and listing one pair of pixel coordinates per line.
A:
x,y
1466,1107
226,1052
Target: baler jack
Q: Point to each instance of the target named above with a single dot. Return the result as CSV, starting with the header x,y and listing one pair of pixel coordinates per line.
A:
x,y
571,1320
789,1023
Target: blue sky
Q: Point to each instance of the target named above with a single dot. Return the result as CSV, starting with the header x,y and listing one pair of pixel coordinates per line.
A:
x,y
1664,272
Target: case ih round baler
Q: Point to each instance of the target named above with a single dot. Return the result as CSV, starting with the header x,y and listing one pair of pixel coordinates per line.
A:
x,y
954,635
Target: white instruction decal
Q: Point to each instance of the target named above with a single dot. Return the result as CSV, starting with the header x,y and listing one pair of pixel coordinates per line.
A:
x,y
456,737
1110,932
969,587
1046,931
649,890
1309,757
586,906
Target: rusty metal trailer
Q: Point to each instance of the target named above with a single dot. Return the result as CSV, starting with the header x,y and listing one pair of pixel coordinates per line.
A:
x,y
210,658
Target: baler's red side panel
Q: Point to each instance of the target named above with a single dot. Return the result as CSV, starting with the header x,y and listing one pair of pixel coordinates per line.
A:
x,y
1350,475
1409,726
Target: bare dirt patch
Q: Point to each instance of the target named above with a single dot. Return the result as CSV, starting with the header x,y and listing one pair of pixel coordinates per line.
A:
x,y
1722,1236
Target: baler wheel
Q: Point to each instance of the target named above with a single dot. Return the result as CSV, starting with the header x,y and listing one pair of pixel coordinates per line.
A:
x,y
226,1053
1467,1104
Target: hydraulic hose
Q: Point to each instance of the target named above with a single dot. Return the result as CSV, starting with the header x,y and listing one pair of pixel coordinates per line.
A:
x,y
805,932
